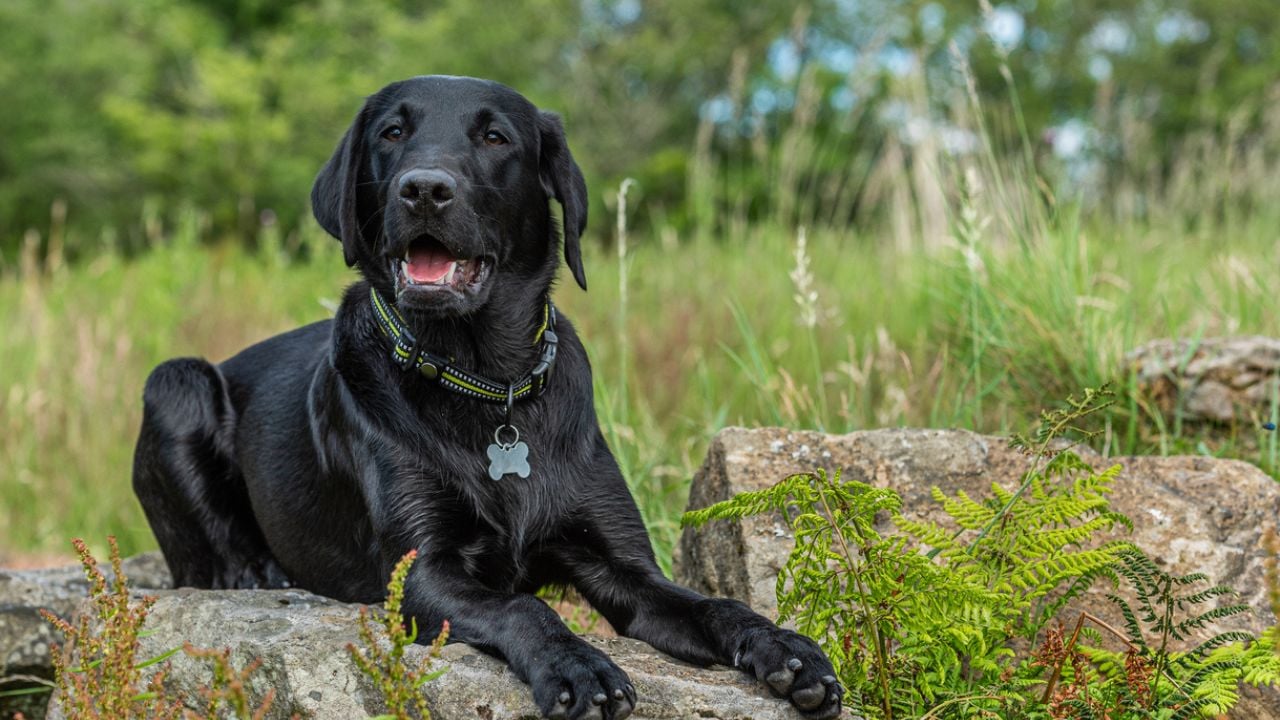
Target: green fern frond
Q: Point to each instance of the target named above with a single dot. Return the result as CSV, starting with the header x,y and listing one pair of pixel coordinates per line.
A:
x,y
1183,628
1260,661
965,512
1218,643
1200,597
1001,496
926,533
1131,626
755,502
1043,576
921,620
1050,541
1081,710
1118,519
1202,707
1214,687
1068,463
1190,579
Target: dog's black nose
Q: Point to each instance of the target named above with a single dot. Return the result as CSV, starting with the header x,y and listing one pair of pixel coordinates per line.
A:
x,y
428,191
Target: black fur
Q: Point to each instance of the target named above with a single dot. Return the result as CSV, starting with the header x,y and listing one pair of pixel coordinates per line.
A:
x,y
311,459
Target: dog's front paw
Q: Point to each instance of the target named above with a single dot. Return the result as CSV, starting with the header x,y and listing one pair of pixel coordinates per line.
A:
x,y
578,682
793,667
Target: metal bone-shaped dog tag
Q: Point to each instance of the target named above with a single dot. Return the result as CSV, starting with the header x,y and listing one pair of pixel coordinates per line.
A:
x,y
504,460
508,457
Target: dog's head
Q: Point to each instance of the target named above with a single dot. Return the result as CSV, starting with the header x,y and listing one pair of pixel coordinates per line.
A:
x,y
439,191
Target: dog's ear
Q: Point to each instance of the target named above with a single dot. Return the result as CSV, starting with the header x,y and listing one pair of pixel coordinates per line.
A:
x,y
335,194
562,180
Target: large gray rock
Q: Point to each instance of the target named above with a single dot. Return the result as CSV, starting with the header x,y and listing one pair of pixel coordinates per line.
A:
x,y
301,639
1191,514
1228,380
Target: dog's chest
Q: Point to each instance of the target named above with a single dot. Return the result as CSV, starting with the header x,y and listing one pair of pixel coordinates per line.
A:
x,y
501,548
492,514
497,527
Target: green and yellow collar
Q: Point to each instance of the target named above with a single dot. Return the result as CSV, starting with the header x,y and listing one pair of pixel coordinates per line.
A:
x,y
406,353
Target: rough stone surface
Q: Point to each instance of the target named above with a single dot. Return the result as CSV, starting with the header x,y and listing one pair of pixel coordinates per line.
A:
x,y
302,640
1191,514
1229,380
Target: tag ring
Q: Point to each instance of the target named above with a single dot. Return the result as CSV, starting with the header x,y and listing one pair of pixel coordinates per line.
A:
x,y
497,436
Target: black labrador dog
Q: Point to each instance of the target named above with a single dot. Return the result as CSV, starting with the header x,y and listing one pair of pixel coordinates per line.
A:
x,y
447,408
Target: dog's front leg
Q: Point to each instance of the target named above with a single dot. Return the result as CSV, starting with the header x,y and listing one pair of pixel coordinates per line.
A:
x,y
612,564
571,680
643,604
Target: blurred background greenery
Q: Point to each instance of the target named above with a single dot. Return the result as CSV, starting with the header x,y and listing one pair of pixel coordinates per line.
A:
x,y
231,105
997,202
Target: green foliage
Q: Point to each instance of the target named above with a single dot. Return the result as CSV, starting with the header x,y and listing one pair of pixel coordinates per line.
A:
x,y
126,110
160,124
72,370
99,676
1202,679
794,114
1035,544
1260,661
382,656
1149,679
926,616
1063,421
922,622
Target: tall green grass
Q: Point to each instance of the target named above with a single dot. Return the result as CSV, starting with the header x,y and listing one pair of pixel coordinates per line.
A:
x,y
982,295
972,334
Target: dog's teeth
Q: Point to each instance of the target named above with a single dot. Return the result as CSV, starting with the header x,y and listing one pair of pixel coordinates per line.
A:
x,y
448,277
404,270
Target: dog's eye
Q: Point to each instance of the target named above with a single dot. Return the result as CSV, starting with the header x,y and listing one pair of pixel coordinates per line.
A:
x,y
393,133
493,137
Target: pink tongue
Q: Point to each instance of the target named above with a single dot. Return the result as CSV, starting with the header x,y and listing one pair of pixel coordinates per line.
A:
x,y
428,264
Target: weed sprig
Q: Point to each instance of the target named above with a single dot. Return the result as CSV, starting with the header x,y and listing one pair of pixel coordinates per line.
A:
x,y
382,656
95,668
98,675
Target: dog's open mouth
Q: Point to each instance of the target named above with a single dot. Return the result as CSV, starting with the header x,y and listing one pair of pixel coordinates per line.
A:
x,y
429,265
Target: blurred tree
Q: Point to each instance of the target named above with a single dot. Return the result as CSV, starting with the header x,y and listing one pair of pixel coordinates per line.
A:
x,y
243,19
62,60
757,108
